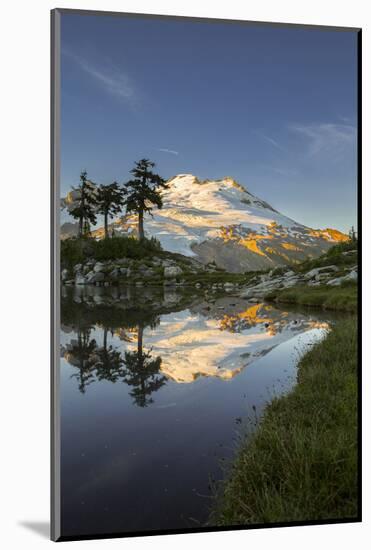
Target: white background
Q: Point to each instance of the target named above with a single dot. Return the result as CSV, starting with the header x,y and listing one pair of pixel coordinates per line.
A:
x,y
24,267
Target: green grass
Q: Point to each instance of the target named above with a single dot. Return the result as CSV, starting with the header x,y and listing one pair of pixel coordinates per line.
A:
x,y
301,464
341,298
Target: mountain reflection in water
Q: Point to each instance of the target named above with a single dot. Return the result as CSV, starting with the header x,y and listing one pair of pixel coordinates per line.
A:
x,y
154,385
144,349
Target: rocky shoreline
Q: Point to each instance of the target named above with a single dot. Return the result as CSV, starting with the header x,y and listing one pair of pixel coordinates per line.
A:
x,y
186,272
152,271
331,275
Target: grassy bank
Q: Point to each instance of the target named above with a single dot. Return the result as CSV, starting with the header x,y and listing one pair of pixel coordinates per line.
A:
x,y
301,464
341,298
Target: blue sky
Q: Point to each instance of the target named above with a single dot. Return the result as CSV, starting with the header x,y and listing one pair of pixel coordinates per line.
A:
x,y
273,107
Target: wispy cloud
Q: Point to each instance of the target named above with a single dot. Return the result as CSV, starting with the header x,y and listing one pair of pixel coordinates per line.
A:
x,y
326,137
110,77
271,141
346,119
170,151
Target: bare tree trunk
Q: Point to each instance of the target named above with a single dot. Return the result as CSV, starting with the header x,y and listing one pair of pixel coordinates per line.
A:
x,y
105,225
140,225
80,227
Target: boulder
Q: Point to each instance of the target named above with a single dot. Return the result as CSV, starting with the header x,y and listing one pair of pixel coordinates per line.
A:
x,y
353,276
99,267
253,293
77,268
291,282
172,271
99,299
96,277
167,263
228,286
89,276
142,267
335,282
317,270
64,274
148,273
311,274
80,279
349,252
321,276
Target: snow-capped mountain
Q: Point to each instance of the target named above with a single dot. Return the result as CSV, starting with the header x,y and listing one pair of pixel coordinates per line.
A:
x,y
221,221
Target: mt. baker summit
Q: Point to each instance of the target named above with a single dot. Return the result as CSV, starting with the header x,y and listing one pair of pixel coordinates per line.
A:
x,y
220,221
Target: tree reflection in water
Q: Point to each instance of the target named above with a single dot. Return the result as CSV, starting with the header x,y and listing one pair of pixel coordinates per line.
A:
x,y
109,364
218,337
142,373
138,369
80,353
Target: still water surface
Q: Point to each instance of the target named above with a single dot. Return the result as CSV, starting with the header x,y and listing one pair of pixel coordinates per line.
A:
x,y
156,390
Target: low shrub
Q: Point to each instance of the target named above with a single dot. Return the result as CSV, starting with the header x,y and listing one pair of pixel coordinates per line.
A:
x,y
74,251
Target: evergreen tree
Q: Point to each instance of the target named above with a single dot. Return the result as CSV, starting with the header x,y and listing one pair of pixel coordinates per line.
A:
x,y
84,207
352,235
143,192
110,200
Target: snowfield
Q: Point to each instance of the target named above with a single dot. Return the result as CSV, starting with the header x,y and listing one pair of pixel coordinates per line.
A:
x,y
195,211
221,221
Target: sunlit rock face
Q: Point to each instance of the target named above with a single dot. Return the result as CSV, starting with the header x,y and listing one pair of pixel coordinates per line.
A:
x,y
221,221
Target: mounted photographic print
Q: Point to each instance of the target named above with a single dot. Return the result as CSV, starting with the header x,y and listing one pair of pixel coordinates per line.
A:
x,y
205,231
